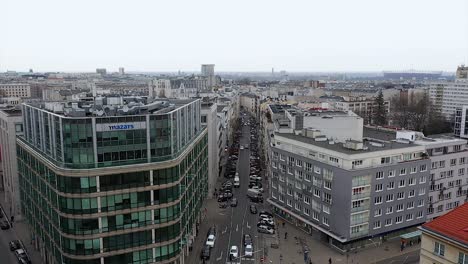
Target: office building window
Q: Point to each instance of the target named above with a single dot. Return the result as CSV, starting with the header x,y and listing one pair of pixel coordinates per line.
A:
x,y
388,222
378,187
439,249
403,171
398,219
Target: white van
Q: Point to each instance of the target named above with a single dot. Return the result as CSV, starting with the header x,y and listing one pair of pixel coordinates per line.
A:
x,y
236,182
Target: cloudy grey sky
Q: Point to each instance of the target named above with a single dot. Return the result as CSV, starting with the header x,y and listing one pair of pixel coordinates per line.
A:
x,y
240,35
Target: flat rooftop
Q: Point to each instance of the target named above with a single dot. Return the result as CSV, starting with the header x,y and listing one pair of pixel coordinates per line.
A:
x,y
338,146
111,106
279,108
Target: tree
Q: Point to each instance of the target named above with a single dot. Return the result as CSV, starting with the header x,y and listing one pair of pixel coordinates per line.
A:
x,y
380,115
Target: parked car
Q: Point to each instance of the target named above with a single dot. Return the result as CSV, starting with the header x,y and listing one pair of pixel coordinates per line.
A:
x,y
255,183
257,199
268,222
255,177
234,202
210,241
21,256
247,239
253,209
265,229
263,212
222,198
233,253
4,225
205,253
248,251
14,245
257,188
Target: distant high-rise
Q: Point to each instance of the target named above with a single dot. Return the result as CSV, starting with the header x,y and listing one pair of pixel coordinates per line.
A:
x,y
462,72
207,70
101,71
121,70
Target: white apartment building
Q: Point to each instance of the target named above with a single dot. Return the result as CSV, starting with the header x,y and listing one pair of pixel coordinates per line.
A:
x,y
461,122
448,186
360,105
447,97
22,90
11,125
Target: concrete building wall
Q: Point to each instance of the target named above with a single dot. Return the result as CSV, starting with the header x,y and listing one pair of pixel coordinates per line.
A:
x,y
427,256
209,119
11,125
15,90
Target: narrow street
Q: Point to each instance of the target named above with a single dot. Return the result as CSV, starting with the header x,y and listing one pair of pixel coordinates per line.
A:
x,y
233,222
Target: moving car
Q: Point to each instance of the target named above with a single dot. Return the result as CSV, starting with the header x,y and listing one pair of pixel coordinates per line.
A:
x,y
210,241
233,253
241,147
14,245
205,253
248,251
253,209
236,182
265,229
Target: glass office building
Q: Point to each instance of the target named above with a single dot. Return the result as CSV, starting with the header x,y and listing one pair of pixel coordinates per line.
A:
x,y
113,180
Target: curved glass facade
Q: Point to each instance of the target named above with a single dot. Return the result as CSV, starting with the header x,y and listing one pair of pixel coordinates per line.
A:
x,y
110,210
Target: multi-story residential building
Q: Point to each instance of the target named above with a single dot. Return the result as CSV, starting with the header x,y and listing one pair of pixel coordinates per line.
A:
x,y
445,239
448,186
362,106
461,122
448,181
250,103
11,125
348,190
22,90
209,119
447,97
113,180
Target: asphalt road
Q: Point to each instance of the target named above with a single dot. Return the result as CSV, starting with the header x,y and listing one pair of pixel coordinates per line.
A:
x,y
6,256
233,222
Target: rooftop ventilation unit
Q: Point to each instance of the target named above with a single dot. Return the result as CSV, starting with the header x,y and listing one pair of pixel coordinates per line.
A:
x,y
353,144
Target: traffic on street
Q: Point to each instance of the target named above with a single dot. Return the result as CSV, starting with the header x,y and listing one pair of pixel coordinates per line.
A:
x,y
239,236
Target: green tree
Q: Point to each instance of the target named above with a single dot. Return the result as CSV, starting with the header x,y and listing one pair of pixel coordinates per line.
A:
x,y
380,115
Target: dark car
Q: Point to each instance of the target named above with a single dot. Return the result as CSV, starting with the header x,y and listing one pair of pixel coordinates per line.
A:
x,y
205,253
255,183
253,209
263,212
256,199
4,225
211,231
222,198
247,240
234,202
14,245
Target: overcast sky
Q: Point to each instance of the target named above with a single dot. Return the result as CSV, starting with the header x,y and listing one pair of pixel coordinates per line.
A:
x,y
236,35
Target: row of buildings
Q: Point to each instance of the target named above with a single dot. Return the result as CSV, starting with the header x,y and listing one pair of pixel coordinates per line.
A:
x,y
114,179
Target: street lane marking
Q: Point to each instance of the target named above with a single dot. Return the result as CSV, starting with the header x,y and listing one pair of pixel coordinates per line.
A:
x,y
248,225
237,227
220,257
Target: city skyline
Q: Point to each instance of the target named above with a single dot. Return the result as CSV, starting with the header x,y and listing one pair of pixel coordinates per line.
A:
x,y
250,37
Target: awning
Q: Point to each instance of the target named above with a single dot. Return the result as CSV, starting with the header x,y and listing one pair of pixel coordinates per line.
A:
x,y
411,235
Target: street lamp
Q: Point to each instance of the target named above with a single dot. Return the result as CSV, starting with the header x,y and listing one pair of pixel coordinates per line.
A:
x,y
375,244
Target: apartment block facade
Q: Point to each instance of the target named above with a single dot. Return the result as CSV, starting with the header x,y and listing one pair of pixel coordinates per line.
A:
x,y
350,191
120,187
22,90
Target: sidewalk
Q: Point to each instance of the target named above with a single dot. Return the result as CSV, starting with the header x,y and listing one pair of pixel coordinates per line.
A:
x,y
291,250
21,231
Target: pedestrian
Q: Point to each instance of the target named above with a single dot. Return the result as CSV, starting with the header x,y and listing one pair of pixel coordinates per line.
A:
x,y
419,240
402,246
329,261
284,224
285,235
